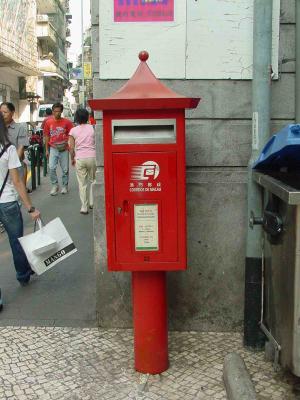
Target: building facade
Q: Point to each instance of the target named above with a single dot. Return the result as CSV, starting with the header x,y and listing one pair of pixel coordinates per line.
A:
x,y
85,70
52,32
33,53
18,51
204,54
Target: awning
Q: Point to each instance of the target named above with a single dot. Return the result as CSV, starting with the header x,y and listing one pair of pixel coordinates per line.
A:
x,y
54,74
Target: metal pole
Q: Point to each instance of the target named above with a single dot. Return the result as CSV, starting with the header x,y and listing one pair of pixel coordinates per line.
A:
x,y
82,56
32,167
261,88
31,111
297,81
44,162
38,164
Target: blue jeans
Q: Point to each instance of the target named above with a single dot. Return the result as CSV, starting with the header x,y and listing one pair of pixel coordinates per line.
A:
x,y
62,157
11,218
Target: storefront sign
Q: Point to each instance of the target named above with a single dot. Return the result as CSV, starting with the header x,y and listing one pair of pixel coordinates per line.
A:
x,y
87,70
76,73
143,10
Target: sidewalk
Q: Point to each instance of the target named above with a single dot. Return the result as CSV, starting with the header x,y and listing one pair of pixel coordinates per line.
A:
x,y
91,364
50,348
65,295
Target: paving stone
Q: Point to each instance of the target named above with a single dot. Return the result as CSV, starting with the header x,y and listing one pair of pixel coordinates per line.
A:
x,y
52,363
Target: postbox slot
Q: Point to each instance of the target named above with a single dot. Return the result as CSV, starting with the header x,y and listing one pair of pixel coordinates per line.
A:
x,y
143,131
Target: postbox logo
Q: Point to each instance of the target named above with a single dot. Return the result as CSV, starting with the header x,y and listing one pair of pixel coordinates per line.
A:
x,y
145,171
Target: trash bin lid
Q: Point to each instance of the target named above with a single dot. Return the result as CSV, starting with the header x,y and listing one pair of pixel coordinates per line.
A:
x,y
281,151
284,185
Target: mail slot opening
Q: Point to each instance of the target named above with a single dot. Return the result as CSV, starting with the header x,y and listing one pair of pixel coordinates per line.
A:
x,y
144,131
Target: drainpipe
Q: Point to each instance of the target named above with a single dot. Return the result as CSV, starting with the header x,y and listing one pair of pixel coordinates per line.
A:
x,y
261,87
82,57
297,80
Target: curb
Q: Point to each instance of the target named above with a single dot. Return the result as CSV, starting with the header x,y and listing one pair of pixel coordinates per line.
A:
x,y
237,380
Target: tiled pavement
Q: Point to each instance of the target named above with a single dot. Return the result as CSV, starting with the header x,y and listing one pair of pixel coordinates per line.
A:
x,y
89,363
45,361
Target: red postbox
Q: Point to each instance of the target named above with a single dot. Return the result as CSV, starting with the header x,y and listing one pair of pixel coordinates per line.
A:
x,y
144,169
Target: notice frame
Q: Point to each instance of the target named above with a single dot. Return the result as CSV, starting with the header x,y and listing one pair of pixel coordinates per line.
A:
x,y
146,227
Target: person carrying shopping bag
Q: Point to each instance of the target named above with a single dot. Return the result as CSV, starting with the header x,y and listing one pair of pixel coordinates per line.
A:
x,y
11,184
83,156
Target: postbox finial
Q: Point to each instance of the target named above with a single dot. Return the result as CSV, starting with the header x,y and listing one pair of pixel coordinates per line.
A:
x,y
143,55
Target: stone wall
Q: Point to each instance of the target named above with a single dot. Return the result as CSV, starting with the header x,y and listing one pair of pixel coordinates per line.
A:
x,y
210,294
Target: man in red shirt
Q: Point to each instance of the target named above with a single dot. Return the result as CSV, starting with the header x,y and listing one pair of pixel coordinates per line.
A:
x,y
56,133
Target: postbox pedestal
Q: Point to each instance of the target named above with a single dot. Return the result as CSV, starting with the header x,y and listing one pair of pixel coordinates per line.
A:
x,y
150,322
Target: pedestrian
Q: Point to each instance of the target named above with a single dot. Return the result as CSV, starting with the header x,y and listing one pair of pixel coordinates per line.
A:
x,y
56,134
11,185
83,156
49,115
17,135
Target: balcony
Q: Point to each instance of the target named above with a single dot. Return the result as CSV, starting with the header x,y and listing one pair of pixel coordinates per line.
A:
x,y
18,43
44,30
17,57
48,65
62,61
48,6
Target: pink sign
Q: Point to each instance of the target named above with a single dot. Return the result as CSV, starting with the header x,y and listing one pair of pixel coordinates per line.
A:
x,y
143,10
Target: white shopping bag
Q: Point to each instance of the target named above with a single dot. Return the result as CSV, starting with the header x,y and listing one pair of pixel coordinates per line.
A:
x,y
47,246
41,241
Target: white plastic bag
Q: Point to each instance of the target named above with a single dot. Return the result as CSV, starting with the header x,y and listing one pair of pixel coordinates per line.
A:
x,y
48,246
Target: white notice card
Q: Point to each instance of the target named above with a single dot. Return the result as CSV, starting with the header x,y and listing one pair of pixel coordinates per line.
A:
x,y
146,227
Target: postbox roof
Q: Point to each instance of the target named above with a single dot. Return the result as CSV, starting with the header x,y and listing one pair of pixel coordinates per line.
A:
x,y
144,91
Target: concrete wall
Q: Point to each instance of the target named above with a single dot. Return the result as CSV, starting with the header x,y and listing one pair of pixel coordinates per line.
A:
x,y
210,295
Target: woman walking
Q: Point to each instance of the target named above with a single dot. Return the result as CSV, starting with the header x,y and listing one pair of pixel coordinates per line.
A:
x,y
83,156
11,184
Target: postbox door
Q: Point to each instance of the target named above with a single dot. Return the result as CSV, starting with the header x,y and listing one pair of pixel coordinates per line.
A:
x,y
145,207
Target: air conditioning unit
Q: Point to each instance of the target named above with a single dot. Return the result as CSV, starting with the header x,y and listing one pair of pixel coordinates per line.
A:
x,y
42,18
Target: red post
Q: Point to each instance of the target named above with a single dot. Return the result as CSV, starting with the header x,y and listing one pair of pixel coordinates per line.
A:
x,y
150,322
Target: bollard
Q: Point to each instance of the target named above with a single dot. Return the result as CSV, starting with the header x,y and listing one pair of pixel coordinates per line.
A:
x,y
237,380
44,162
38,164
